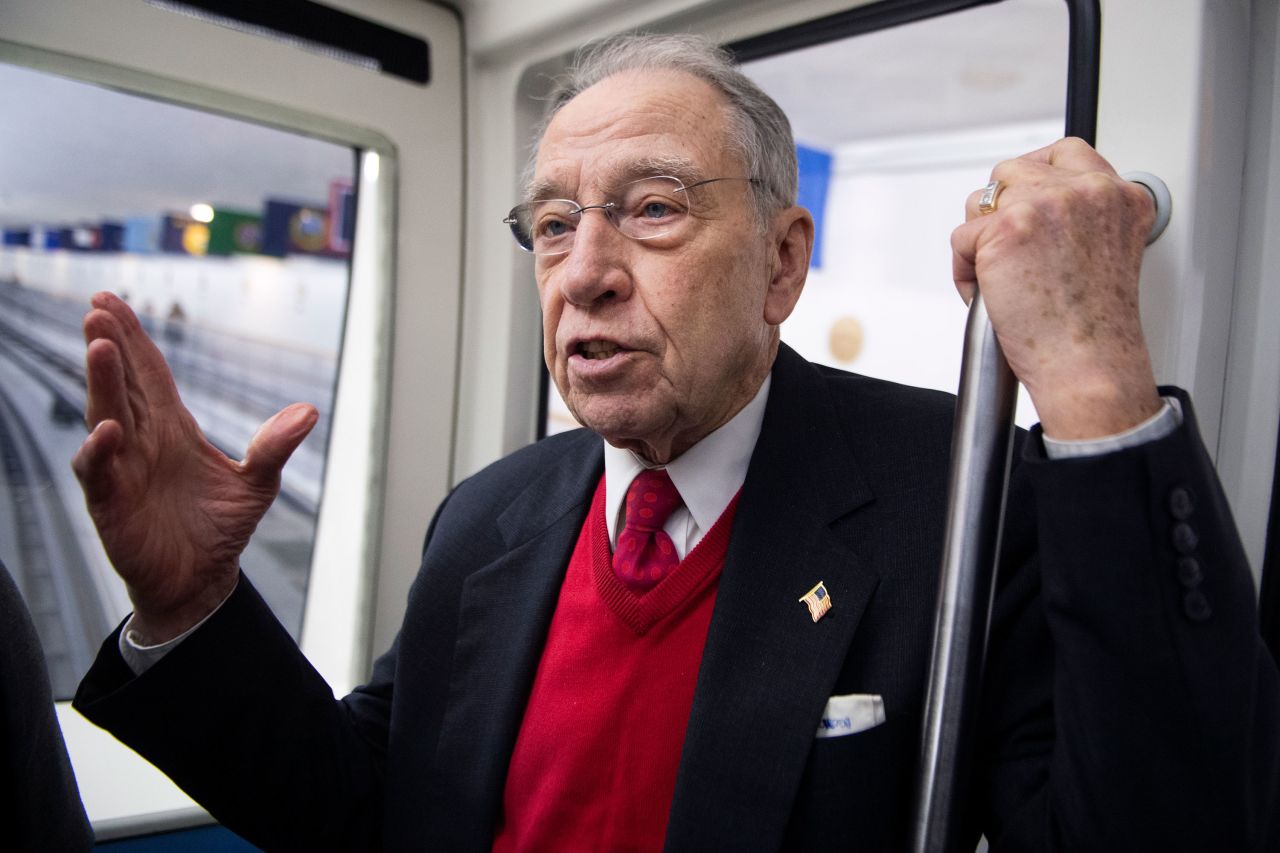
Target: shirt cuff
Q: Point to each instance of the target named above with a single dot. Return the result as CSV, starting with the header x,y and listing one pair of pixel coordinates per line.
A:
x,y
1162,423
141,658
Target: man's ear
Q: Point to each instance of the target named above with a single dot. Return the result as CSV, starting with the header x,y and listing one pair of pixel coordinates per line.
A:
x,y
792,243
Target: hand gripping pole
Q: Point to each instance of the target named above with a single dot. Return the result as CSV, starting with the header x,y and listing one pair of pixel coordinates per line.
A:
x,y
981,447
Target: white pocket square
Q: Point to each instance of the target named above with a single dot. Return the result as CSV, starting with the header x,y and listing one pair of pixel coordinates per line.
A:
x,y
846,715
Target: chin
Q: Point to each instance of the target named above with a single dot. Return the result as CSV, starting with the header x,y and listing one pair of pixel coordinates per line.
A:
x,y
618,424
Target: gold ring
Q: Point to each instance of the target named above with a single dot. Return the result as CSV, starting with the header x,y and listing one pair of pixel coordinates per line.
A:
x,y
987,203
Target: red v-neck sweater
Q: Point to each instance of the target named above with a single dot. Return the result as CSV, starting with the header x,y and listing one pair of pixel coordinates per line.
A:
x,y
594,766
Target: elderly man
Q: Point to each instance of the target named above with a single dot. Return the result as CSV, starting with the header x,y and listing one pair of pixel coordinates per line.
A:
x,y
605,647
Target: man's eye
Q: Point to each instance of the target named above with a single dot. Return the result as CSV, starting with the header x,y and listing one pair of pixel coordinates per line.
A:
x,y
656,210
552,227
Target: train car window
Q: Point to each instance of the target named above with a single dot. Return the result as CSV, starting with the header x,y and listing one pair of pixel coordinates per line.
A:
x,y
232,242
257,258
254,185
894,127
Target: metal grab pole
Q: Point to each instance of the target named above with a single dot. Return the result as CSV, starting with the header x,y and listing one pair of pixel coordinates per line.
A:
x,y
980,455
981,448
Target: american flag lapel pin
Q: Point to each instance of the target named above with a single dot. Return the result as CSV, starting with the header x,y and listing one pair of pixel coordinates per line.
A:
x,y
818,600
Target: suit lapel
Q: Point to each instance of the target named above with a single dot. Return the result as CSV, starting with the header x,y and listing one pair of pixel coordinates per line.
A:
x,y
503,618
768,669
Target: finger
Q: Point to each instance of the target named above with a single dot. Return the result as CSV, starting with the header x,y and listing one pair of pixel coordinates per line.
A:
x,y
971,210
1048,164
1070,153
93,463
1021,177
1046,154
276,440
1015,179
105,357
146,372
973,201
107,397
964,243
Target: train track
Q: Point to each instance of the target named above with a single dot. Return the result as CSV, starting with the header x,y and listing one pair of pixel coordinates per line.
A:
x,y
229,367
50,569
63,377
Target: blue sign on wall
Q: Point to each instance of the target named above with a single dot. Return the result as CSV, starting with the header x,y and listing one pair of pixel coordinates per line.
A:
x,y
815,177
142,234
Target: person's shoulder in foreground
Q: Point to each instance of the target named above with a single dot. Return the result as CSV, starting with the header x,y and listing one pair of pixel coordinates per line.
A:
x,y
40,806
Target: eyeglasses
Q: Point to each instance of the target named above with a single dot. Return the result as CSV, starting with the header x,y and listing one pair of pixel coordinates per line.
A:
x,y
656,208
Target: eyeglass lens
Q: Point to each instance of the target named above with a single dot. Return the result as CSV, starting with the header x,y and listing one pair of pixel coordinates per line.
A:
x,y
646,209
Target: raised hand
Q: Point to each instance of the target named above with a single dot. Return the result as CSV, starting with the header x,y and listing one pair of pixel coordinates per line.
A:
x,y
173,511
1058,261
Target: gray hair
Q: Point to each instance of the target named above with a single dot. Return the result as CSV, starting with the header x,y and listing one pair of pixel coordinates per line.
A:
x,y
759,132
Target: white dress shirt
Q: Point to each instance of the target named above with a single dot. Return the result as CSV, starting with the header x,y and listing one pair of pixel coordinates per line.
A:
x,y
707,475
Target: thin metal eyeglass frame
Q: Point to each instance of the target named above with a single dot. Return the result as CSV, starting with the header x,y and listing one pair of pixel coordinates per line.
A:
x,y
526,243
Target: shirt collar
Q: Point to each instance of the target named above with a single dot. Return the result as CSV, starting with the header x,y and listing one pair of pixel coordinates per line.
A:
x,y
707,475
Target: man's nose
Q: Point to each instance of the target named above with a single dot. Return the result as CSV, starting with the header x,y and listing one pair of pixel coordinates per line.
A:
x,y
595,268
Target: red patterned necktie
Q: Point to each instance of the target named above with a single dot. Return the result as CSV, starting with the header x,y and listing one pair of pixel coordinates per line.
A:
x,y
645,553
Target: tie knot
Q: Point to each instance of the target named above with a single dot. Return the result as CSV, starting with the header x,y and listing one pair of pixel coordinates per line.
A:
x,y
651,499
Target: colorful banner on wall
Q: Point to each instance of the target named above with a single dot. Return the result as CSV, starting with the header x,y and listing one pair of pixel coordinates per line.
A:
x,y
67,239
111,237
815,179
289,228
182,235
234,232
45,237
104,237
142,234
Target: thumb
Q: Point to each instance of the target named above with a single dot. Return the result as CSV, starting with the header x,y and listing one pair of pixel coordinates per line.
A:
x,y
275,441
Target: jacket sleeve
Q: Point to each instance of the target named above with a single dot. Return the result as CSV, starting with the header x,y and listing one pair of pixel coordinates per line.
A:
x,y
239,719
1143,638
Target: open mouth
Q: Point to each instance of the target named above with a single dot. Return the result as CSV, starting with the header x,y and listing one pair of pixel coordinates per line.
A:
x,y
593,350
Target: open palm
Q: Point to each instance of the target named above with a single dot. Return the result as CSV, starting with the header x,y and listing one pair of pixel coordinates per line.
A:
x,y
174,513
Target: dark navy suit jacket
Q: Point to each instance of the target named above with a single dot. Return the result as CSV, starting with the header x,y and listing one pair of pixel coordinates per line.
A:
x,y
40,805
1128,702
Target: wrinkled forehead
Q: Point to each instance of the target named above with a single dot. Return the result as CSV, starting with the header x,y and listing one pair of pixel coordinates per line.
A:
x,y
630,126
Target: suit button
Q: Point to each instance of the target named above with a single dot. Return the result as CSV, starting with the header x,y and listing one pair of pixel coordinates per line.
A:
x,y
1181,504
1189,574
1185,539
1196,606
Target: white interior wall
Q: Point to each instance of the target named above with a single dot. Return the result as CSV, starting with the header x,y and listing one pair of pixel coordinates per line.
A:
x,y
1182,119
1246,451
887,262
